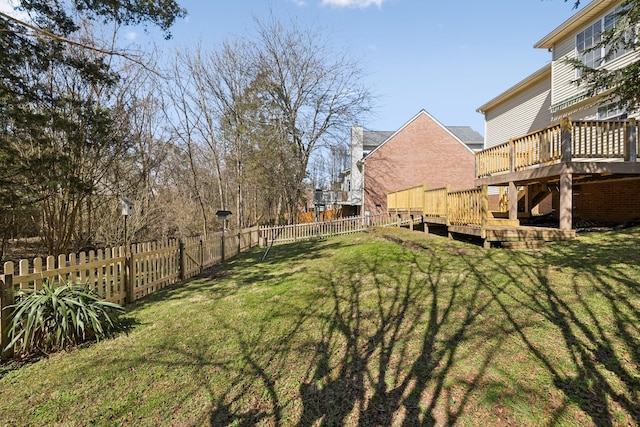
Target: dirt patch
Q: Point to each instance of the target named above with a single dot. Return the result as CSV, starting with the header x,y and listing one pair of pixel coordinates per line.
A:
x,y
406,243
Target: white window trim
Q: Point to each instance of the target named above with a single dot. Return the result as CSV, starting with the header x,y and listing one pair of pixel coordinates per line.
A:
x,y
603,49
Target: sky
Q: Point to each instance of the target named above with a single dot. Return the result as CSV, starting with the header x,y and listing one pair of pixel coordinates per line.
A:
x,y
446,57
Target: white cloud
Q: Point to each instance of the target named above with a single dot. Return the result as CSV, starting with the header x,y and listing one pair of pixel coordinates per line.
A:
x,y
131,35
353,3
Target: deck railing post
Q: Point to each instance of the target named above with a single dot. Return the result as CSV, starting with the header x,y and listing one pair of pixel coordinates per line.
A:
x,y
484,211
631,143
447,206
565,131
512,156
6,299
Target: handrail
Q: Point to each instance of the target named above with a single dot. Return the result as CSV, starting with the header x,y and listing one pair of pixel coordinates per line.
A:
x,y
463,207
408,199
564,141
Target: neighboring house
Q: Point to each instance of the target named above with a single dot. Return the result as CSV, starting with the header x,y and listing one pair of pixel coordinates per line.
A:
x,y
598,179
422,151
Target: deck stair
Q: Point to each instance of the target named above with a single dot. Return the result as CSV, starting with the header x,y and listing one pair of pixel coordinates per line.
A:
x,y
498,219
536,193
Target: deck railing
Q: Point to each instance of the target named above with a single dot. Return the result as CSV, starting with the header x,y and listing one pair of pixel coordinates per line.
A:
x,y
410,198
562,142
462,208
436,202
468,207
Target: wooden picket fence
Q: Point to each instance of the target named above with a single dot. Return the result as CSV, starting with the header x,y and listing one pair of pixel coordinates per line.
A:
x,y
126,274
316,230
122,274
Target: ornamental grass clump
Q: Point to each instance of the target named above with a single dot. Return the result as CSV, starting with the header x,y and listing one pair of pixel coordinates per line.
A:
x,y
56,318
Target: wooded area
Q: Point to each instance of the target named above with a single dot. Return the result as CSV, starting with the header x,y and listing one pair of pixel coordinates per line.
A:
x,y
246,125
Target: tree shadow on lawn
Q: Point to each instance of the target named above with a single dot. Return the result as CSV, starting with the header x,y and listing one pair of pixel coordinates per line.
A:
x,y
375,348
585,291
418,339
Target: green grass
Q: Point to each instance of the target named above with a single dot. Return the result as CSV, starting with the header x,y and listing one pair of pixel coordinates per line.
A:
x,y
384,328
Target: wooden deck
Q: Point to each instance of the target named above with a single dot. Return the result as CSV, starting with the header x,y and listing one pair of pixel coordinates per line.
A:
x,y
466,213
587,146
560,155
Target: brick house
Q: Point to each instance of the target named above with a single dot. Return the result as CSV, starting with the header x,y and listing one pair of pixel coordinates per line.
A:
x,y
586,170
422,151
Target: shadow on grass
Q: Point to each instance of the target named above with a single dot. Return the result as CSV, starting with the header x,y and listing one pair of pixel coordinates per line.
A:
x,y
422,335
587,293
379,339
242,267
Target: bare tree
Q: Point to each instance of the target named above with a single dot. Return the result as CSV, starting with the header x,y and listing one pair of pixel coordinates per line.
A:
x,y
318,93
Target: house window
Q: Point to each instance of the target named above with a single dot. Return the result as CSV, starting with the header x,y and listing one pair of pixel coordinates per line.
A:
x,y
585,41
611,112
589,38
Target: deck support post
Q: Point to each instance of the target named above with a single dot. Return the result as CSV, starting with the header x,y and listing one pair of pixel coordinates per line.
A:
x,y
425,225
513,201
566,201
411,222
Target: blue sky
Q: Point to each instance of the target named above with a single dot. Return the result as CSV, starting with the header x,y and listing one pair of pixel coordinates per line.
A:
x,y
448,58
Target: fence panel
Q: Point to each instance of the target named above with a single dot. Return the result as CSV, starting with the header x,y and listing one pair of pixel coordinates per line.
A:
x,y
296,232
101,271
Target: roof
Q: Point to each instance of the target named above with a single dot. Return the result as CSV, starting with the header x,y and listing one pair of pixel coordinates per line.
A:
x,y
576,22
466,134
543,73
422,112
373,138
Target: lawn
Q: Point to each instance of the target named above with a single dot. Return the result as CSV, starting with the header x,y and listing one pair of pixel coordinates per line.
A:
x,y
389,327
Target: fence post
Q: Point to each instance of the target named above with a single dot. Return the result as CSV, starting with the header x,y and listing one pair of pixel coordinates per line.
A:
x,y
182,260
201,256
129,279
6,299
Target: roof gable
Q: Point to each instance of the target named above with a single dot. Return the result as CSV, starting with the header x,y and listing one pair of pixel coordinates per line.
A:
x,y
414,118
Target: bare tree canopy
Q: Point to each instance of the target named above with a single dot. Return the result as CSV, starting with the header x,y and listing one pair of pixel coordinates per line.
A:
x,y
260,107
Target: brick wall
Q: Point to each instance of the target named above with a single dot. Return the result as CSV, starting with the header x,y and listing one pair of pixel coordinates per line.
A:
x,y
607,202
423,151
614,202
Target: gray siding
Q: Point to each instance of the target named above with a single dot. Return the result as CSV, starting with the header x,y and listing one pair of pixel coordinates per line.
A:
x,y
523,113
